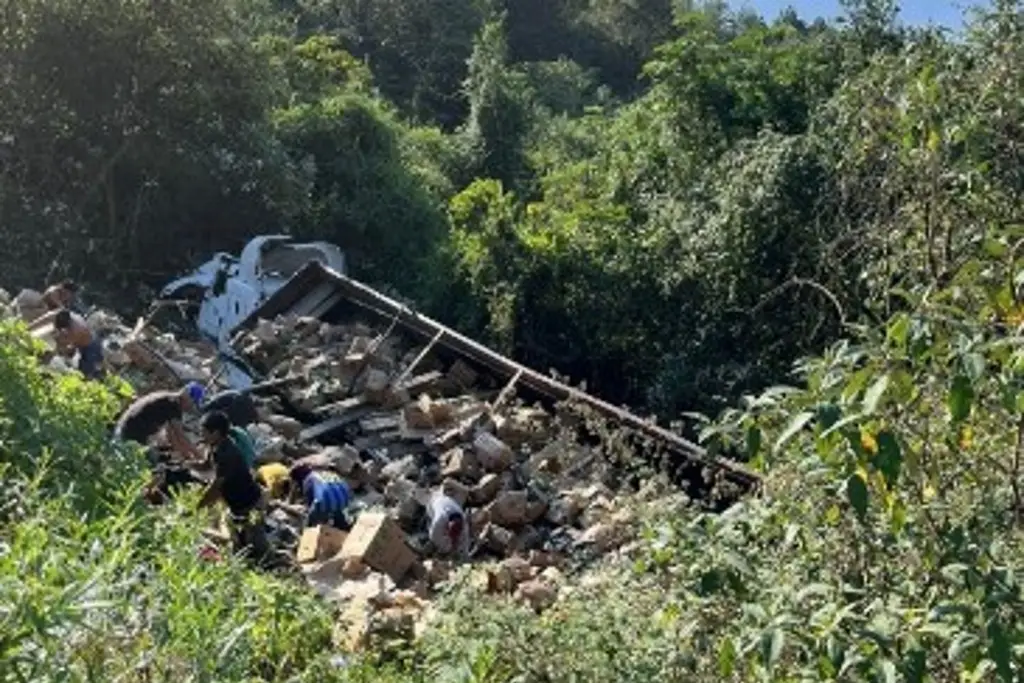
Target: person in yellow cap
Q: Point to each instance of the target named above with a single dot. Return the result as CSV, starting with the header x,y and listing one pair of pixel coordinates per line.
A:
x,y
274,477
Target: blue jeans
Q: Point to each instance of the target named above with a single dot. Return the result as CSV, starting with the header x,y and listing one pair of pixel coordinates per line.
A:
x,y
90,360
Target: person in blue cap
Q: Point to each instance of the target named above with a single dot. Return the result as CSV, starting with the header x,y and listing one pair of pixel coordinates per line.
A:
x,y
327,496
160,411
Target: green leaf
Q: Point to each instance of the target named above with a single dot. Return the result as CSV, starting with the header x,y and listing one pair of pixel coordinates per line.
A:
x,y
832,514
974,366
857,493
955,573
772,643
901,386
899,330
754,439
845,422
961,396
813,589
995,248
999,650
726,657
915,666
798,422
898,517
889,458
828,414
857,383
874,394
961,647
826,668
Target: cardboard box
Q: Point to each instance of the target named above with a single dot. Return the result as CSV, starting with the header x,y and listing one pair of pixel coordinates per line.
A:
x,y
379,543
320,543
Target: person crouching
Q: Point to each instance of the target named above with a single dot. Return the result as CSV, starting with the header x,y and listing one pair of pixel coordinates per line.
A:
x,y
326,495
235,483
448,528
72,334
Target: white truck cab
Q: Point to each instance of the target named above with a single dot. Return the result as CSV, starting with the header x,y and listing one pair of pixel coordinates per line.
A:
x,y
228,288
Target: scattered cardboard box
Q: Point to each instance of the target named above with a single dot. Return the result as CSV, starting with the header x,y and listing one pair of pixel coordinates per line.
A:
x,y
320,543
379,542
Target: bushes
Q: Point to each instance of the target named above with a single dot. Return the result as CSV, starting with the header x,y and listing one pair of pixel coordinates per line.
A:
x,y
96,586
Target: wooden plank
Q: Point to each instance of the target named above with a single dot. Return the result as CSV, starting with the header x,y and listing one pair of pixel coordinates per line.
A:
x,y
419,358
335,423
420,383
379,423
370,352
506,391
271,384
341,406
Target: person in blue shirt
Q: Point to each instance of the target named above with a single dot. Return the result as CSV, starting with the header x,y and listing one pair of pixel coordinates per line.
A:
x,y
327,496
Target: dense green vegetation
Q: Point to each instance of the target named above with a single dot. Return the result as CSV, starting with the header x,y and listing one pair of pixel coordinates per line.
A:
x,y
648,196
673,203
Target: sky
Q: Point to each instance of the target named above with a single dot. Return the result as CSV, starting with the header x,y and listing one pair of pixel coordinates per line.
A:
x,y
948,13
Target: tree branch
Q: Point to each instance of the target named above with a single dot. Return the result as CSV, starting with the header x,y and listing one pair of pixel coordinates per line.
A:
x,y
802,282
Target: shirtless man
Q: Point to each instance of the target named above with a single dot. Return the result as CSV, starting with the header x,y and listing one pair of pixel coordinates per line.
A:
x,y
73,334
61,295
162,411
57,298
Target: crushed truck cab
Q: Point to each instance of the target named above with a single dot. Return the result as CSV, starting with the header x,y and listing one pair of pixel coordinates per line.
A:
x,y
229,288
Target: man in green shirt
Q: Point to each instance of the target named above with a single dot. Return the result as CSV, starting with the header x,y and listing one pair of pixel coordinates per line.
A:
x,y
243,441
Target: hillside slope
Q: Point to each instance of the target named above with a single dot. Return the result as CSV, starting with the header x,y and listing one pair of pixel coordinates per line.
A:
x,y
886,545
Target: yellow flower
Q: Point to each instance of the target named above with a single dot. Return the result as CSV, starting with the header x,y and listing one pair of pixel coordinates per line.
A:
x,y
1014,317
868,442
966,437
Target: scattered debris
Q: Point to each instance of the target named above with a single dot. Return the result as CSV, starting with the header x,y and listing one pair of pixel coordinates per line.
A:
x,y
400,415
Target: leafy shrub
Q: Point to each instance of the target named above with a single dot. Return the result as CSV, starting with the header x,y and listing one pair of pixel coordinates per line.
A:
x,y
95,586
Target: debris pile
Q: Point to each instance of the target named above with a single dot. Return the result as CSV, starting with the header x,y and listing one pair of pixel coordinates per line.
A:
x,y
405,422
397,422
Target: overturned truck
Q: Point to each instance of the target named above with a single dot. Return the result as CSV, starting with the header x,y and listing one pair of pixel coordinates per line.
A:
x,y
423,403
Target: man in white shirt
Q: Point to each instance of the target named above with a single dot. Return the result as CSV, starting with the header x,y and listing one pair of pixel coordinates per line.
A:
x,y
448,526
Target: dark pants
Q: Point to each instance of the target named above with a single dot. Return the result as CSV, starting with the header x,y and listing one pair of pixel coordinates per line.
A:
x,y
248,536
90,360
168,480
317,515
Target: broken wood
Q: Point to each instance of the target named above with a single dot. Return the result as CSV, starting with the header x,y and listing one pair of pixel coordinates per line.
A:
x,y
341,406
370,351
506,391
419,358
335,423
379,423
381,305
271,384
404,393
